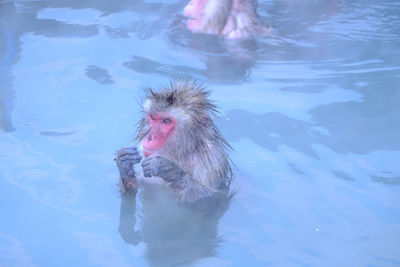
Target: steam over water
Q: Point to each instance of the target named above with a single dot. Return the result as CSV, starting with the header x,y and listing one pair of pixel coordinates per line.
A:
x,y
312,112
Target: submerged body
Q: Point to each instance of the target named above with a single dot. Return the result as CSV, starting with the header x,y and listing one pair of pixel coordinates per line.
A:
x,y
229,18
180,142
185,234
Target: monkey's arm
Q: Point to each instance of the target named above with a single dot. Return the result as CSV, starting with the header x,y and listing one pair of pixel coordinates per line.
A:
x,y
126,158
187,187
127,219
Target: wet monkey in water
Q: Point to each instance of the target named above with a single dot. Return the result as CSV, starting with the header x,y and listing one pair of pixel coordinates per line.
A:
x,y
229,18
181,145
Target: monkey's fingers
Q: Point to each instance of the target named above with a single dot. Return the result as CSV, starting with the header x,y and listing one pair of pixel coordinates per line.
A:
x,y
148,171
134,158
148,166
148,161
127,150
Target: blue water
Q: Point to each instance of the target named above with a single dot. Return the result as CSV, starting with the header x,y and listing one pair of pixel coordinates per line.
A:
x,y
312,112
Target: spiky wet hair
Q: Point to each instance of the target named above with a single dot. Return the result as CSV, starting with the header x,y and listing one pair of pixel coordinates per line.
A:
x,y
197,136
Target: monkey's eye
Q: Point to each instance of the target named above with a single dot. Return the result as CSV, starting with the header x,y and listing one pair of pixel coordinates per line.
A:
x,y
151,117
166,121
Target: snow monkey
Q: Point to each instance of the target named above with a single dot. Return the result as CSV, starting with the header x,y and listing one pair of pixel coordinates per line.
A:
x,y
229,18
181,145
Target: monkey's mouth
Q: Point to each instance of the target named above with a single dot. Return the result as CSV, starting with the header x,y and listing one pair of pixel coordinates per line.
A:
x,y
147,153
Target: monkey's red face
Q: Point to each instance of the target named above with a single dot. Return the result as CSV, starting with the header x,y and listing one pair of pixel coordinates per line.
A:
x,y
194,11
161,126
195,8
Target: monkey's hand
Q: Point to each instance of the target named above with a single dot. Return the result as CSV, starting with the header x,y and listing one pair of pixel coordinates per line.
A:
x,y
167,170
126,158
187,188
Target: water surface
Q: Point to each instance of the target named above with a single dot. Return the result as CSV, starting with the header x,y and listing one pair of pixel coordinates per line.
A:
x,y
312,112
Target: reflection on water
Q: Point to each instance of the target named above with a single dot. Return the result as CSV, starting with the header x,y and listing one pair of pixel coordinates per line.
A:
x,y
174,234
145,65
9,53
225,61
311,111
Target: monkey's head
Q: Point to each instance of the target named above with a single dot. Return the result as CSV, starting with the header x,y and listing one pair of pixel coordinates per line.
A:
x,y
207,16
178,126
177,119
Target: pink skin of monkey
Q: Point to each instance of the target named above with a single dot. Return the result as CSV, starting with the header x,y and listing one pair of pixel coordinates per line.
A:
x,y
161,127
233,19
195,12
